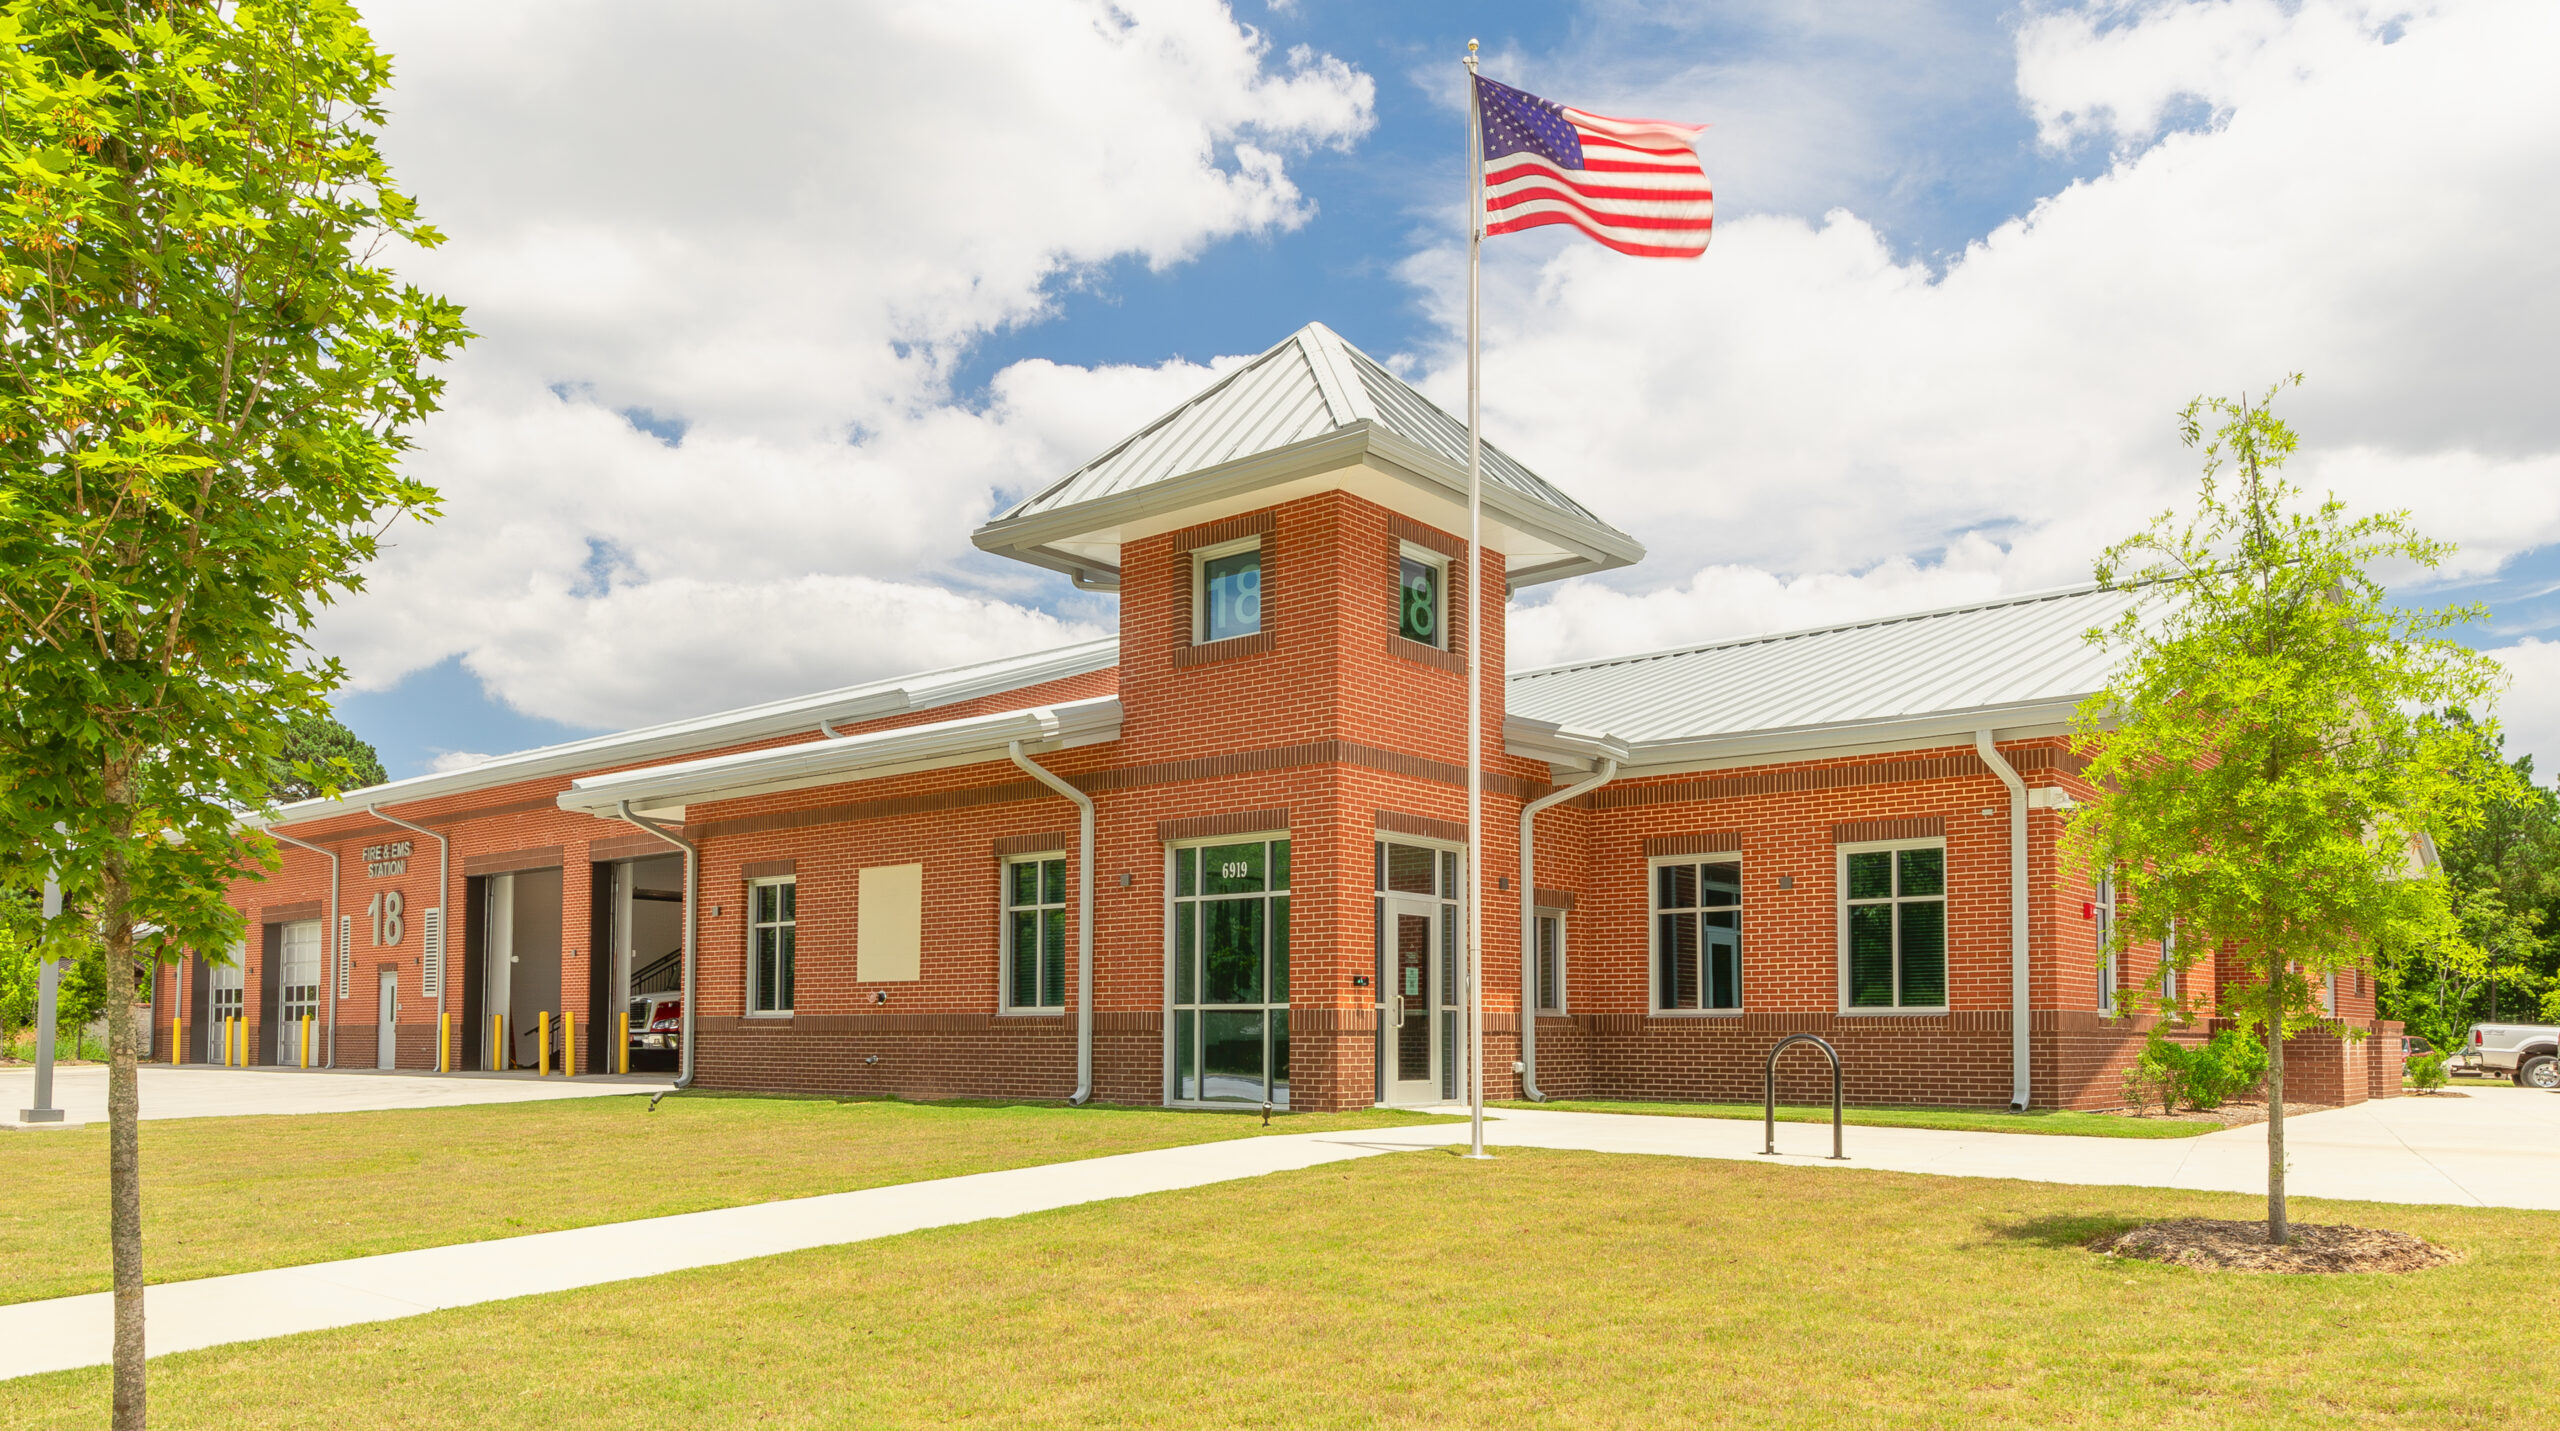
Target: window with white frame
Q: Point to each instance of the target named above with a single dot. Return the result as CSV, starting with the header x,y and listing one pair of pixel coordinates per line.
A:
x,y
1422,596
1226,590
1231,972
772,944
2103,913
1697,934
1894,927
1035,932
2169,965
1549,930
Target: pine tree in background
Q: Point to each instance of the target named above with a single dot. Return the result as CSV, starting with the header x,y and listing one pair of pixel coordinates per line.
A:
x,y
321,756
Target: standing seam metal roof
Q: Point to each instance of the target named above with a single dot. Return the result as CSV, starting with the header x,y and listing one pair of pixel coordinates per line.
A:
x,y
2023,650
1311,384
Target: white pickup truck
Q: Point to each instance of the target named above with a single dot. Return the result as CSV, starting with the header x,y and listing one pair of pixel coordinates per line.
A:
x,y
2527,1053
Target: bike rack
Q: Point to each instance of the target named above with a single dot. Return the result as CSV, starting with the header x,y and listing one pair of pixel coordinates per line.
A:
x,y
1769,1092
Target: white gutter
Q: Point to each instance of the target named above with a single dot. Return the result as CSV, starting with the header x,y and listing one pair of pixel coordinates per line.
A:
x,y
444,890
1607,772
328,944
692,918
1084,918
936,746
2021,1084
686,738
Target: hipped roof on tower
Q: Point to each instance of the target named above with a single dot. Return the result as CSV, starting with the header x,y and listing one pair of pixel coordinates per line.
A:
x,y
1312,414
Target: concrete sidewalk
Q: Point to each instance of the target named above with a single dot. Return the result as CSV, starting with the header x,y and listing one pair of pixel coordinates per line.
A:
x,y
2496,1147
66,1332
199,1091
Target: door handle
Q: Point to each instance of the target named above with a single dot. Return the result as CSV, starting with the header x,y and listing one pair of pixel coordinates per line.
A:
x,y
1395,1011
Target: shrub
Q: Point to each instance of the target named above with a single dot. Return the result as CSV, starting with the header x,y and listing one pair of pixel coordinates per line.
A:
x,y
2426,1072
2232,1065
2158,1075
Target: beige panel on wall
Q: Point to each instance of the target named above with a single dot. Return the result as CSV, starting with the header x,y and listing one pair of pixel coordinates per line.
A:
x,y
889,933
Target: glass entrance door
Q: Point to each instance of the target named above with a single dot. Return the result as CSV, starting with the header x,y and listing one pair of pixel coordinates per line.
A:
x,y
1410,1006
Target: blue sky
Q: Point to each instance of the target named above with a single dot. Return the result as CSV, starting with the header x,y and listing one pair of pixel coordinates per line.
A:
x,y
1907,184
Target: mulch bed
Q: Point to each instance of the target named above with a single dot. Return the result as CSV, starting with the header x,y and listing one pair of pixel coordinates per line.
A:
x,y
2221,1246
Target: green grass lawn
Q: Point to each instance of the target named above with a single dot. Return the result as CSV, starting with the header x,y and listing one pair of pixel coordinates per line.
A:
x,y
1418,1289
1962,1120
238,1194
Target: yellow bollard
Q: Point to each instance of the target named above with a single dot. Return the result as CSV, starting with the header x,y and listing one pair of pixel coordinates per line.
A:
x,y
306,1040
622,1042
178,1039
444,1042
542,1045
498,1041
568,1043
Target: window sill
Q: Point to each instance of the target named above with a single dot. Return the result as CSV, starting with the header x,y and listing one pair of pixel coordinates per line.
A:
x,y
1874,1013
1232,648
769,1017
1693,1013
1031,1013
1421,654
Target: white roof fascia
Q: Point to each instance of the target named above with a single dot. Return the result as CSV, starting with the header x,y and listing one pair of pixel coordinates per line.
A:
x,y
732,727
1179,500
941,745
1560,745
2011,722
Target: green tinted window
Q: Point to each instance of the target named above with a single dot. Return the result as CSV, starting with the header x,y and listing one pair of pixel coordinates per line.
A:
x,y
1897,929
1231,595
1871,875
1231,869
1418,604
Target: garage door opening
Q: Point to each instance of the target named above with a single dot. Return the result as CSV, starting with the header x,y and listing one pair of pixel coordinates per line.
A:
x,y
648,960
520,969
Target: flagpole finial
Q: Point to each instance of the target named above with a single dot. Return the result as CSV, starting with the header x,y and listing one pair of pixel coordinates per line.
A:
x,y
1471,56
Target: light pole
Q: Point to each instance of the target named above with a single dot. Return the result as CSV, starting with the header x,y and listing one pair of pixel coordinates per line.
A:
x,y
48,976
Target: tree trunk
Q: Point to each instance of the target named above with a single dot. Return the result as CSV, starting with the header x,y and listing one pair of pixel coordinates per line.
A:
x,y
124,1110
2278,1232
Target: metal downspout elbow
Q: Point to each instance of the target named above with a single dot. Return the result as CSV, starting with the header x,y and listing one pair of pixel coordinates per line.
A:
x,y
1084,916
2021,1076
1607,772
692,919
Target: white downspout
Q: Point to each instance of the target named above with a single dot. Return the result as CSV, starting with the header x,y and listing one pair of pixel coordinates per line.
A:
x,y
2021,1084
1084,917
692,918
444,897
1607,772
328,943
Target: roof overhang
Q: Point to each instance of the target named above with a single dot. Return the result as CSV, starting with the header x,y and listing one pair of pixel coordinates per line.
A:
x,y
843,706
939,746
1532,739
1538,543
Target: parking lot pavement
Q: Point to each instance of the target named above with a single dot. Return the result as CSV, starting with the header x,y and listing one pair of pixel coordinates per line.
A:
x,y
194,1091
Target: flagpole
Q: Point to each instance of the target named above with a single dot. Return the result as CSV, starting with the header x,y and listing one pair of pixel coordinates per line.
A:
x,y
1475,624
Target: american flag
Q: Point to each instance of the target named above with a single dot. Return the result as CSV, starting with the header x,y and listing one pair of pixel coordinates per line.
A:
x,y
1633,184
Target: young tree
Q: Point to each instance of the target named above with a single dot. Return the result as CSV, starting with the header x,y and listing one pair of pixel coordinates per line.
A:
x,y
207,375
2268,769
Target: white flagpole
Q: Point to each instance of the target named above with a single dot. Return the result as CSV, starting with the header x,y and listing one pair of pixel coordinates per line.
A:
x,y
1475,627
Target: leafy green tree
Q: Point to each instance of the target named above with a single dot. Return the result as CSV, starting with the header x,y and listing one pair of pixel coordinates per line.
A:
x,y
2505,873
2267,763
321,756
208,375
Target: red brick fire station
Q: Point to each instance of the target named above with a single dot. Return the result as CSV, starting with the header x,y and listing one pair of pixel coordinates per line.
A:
x,y
1222,858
